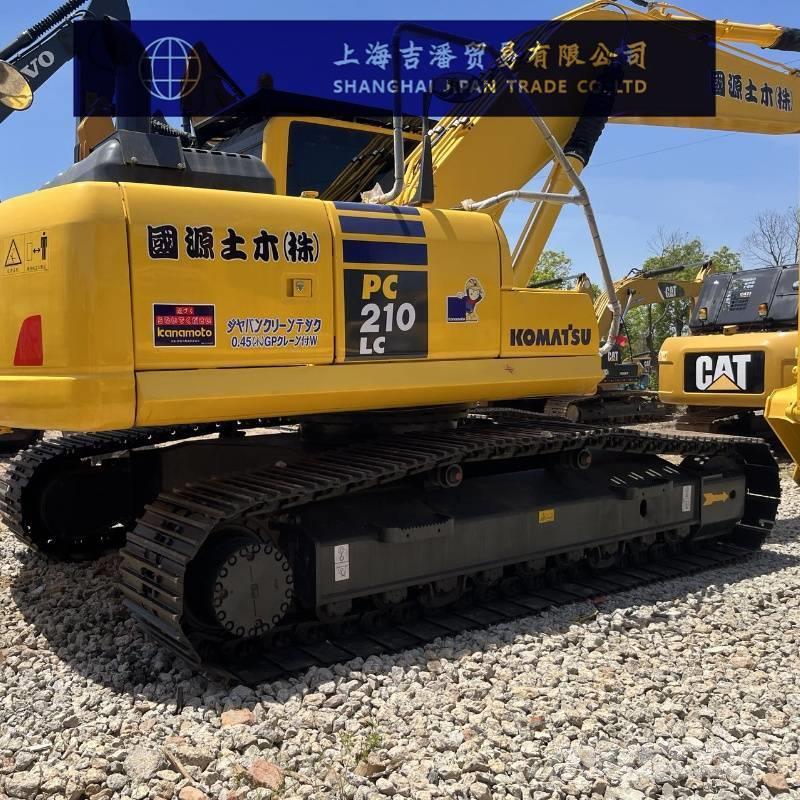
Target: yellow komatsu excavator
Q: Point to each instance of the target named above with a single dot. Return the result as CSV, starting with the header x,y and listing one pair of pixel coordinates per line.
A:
x,y
623,394
174,302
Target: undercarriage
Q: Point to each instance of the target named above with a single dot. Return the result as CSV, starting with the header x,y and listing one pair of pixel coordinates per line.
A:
x,y
724,419
245,551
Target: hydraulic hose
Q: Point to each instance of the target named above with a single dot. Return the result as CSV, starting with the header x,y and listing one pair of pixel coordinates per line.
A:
x,y
165,129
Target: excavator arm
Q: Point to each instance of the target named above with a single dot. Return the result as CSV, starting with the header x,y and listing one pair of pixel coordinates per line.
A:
x,y
467,162
642,288
645,288
40,51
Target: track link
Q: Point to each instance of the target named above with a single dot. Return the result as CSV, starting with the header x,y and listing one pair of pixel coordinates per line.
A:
x,y
30,468
175,526
716,419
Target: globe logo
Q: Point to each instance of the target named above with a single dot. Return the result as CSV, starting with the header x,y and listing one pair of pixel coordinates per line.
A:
x,y
169,68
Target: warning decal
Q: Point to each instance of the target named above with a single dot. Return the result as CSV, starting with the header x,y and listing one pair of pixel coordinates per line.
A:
x,y
12,256
341,562
25,253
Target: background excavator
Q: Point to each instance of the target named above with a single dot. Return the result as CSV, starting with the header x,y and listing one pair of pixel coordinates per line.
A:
x,y
623,395
743,347
388,320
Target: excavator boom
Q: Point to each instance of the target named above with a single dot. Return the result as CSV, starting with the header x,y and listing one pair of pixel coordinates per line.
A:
x,y
41,50
752,93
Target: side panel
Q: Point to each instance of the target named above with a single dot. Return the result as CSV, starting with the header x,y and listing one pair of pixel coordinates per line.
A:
x,y
739,371
419,321
228,279
168,293
64,272
205,395
543,322
414,283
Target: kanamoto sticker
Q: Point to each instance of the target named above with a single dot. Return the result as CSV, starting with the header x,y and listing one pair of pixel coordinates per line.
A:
x,y
183,325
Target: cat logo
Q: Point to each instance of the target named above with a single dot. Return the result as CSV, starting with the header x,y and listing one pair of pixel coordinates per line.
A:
x,y
670,291
722,374
725,372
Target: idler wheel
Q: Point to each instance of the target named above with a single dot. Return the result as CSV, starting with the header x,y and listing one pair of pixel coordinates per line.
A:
x,y
247,581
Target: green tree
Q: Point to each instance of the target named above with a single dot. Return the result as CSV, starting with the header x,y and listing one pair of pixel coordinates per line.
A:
x,y
552,264
647,326
726,260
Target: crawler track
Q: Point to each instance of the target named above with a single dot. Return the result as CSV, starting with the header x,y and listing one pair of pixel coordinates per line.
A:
x,y
20,506
175,527
292,650
609,409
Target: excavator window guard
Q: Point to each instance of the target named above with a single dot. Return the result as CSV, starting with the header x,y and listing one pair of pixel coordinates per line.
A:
x,y
580,197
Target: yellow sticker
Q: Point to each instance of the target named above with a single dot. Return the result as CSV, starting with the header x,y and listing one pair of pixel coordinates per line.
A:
x,y
547,515
25,253
300,287
709,498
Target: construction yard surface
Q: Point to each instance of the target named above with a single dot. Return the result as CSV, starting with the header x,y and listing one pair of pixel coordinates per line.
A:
x,y
685,688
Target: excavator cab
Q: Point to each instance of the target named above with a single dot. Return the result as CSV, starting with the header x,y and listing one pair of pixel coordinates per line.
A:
x,y
754,300
336,158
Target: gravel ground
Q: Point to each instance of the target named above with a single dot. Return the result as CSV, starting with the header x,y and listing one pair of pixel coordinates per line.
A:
x,y
688,688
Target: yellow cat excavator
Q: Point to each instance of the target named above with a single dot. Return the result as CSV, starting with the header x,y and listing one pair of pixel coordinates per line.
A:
x,y
622,395
173,303
742,347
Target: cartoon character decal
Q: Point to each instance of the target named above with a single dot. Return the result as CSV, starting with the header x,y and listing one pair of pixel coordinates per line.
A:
x,y
462,307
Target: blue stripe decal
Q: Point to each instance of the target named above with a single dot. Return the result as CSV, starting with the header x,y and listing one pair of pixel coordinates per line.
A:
x,y
358,251
378,209
381,226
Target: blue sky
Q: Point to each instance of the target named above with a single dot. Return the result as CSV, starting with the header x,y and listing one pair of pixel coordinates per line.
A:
x,y
641,179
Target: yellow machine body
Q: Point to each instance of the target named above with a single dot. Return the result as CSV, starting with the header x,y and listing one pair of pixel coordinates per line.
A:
x,y
782,412
347,308
737,371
